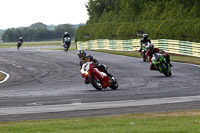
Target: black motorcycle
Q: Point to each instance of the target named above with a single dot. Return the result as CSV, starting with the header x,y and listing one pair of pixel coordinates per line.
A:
x,y
66,44
19,44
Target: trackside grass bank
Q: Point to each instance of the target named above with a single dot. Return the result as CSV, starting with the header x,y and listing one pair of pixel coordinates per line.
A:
x,y
61,48
30,44
33,44
173,57
170,122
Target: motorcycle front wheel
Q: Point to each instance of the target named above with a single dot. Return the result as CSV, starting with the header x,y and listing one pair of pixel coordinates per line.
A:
x,y
114,85
19,45
164,70
95,83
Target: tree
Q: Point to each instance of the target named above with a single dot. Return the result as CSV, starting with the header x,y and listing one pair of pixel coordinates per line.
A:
x,y
37,32
38,25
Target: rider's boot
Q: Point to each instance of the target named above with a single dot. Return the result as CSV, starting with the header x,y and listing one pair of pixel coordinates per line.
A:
x,y
170,64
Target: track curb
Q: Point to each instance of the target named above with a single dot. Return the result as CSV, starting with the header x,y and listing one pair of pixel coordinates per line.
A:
x,y
6,78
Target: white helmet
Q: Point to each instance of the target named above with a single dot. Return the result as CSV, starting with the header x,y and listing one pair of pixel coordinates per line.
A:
x,y
66,33
20,37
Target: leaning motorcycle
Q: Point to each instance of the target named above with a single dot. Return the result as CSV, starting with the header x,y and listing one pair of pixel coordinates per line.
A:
x,y
97,78
66,44
160,63
19,44
144,50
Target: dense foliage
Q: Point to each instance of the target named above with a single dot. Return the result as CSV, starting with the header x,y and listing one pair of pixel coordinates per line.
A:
x,y
188,30
141,10
38,32
170,19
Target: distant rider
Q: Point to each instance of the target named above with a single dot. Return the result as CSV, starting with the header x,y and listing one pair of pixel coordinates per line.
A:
x,y
83,58
66,34
144,40
20,41
151,51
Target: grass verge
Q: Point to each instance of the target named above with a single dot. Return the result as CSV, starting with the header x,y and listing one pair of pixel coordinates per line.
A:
x,y
170,122
33,44
173,57
61,48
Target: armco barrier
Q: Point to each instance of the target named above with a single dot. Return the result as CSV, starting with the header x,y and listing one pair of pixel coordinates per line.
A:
x,y
170,46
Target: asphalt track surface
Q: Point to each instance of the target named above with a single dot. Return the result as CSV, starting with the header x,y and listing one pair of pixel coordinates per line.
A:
x,y
46,84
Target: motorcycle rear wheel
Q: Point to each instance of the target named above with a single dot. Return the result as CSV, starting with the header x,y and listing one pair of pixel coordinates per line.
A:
x,y
19,45
166,73
96,84
114,85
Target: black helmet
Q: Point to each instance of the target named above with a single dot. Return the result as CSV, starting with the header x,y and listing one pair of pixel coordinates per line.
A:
x,y
151,47
145,36
66,33
81,54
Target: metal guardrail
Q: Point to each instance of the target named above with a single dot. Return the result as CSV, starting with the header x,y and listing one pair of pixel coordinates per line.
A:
x,y
170,46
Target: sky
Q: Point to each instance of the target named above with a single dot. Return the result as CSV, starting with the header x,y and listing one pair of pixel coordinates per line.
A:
x,y
23,13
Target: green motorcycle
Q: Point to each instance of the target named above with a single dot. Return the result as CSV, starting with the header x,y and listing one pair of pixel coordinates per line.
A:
x,y
144,50
159,62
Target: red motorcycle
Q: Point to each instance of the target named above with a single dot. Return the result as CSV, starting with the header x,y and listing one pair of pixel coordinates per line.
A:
x,y
97,78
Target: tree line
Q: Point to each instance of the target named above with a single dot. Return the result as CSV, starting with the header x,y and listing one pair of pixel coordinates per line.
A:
x,y
38,32
101,11
122,19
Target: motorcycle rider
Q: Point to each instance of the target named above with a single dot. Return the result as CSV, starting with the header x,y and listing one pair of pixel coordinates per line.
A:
x,y
151,51
83,58
20,41
66,34
144,40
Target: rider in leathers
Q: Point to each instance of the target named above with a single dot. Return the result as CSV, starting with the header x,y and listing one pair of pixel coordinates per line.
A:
x,y
151,51
84,58
20,41
143,41
66,34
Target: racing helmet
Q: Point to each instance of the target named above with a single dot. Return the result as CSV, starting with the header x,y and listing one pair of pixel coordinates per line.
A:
x,y
81,54
66,33
151,47
20,37
145,36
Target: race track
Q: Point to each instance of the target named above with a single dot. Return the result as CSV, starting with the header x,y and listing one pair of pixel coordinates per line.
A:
x,y
46,84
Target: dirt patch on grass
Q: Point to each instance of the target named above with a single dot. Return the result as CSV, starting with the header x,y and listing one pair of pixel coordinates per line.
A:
x,y
177,113
2,76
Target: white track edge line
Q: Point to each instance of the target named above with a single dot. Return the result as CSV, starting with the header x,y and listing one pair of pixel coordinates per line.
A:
x,y
95,105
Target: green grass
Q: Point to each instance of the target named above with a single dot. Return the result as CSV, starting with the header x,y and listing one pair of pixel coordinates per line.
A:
x,y
61,48
185,59
33,44
170,122
173,57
